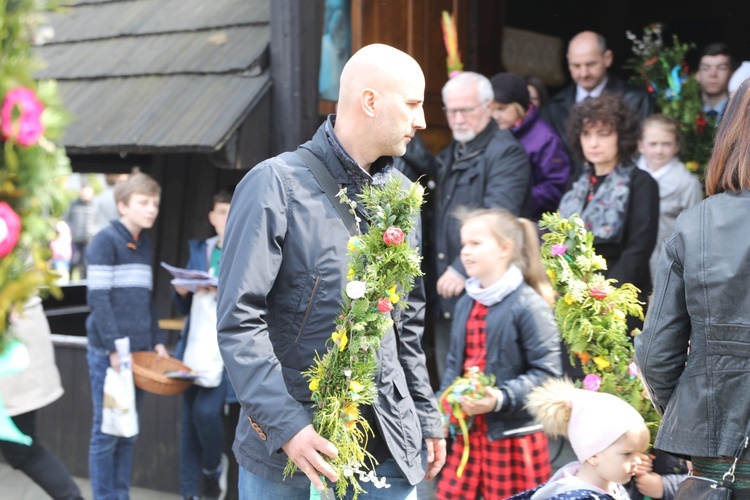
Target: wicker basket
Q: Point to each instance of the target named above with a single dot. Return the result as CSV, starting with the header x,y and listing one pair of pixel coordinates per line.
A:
x,y
148,373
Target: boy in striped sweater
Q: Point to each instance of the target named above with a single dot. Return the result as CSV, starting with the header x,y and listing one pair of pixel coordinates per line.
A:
x,y
120,283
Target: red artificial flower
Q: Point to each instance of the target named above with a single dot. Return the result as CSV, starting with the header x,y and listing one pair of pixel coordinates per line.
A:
x,y
27,127
598,292
10,229
393,236
700,123
384,305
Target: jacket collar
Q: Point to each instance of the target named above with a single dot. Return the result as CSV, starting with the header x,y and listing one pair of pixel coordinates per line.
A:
x,y
132,243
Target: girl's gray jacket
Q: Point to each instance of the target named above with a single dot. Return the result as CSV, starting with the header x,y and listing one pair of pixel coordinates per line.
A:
x,y
283,269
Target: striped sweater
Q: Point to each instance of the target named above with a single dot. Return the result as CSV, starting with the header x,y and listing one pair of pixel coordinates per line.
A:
x,y
119,294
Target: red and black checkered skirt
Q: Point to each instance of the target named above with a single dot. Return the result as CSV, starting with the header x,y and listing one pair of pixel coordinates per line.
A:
x,y
496,469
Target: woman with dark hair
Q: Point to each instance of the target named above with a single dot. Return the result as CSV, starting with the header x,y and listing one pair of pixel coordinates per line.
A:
x,y
701,302
618,202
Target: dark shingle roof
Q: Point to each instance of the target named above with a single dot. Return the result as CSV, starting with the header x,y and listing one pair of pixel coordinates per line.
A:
x,y
146,76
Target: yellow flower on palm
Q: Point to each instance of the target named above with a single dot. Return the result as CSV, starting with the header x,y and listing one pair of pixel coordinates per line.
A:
x,y
392,295
314,384
619,314
355,386
551,274
340,338
568,299
353,243
351,414
601,362
598,262
350,274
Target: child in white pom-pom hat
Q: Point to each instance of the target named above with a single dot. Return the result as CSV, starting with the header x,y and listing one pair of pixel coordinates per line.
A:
x,y
607,435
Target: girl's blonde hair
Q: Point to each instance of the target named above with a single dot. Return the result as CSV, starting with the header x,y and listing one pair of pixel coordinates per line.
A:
x,y
522,235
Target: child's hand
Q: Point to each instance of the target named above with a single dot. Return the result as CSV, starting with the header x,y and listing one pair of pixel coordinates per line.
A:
x,y
646,465
161,351
114,360
650,484
472,406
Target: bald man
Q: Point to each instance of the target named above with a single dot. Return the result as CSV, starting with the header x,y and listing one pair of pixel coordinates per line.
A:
x,y
589,61
283,268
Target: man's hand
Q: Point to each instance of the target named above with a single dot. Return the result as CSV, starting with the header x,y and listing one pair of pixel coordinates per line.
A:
x,y
305,448
181,290
435,457
161,351
450,284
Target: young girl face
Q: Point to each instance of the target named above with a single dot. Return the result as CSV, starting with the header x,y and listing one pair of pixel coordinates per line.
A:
x,y
618,462
483,256
658,145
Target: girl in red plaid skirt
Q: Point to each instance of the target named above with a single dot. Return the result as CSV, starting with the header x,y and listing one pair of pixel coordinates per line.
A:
x,y
503,326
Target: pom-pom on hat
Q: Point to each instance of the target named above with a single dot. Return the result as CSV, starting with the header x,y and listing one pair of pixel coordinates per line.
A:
x,y
510,88
591,421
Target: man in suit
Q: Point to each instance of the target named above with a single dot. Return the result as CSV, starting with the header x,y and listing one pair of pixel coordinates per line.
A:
x,y
589,60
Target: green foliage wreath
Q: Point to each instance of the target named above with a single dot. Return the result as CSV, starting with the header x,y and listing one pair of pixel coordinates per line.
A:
x,y
382,268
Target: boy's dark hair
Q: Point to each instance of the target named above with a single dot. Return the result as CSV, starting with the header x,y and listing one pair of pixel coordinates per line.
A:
x,y
137,182
716,49
223,196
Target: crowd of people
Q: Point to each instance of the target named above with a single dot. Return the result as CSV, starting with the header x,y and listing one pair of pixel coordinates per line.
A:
x,y
595,148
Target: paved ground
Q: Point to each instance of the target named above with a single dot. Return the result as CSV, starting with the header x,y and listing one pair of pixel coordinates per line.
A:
x,y
16,486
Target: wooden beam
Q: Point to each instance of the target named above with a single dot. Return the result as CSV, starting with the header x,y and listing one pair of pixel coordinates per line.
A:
x,y
296,30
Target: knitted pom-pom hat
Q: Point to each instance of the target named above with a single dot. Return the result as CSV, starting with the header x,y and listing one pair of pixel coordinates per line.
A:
x,y
591,421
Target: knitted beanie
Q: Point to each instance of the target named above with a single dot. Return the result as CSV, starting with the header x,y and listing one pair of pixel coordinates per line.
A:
x,y
597,420
510,88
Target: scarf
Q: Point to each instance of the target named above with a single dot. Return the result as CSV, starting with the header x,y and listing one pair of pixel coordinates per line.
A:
x,y
605,213
511,280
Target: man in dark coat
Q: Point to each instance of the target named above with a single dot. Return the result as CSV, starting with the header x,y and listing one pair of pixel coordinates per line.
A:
x,y
588,61
284,265
482,167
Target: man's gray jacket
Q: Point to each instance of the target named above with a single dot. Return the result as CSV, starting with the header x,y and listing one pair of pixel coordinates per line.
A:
x,y
283,269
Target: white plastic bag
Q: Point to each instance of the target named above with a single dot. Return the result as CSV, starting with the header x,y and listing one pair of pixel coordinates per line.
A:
x,y
202,351
119,414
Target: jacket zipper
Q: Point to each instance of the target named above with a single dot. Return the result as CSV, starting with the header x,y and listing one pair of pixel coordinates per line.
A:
x,y
307,311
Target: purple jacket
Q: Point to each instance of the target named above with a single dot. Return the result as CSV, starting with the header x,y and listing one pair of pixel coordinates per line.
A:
x,y
550,165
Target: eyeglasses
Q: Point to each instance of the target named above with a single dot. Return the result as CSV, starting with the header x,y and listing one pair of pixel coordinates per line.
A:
x,y
462,111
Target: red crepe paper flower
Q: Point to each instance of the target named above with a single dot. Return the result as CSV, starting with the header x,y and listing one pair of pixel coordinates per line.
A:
x,y
385,305
393,236
10,229
598,293
26,128
700,123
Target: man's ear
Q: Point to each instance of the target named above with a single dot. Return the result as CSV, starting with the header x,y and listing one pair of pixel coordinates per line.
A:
x,y
369,98
608,57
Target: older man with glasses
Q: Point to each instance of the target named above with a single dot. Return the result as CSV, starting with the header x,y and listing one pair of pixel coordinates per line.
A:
x,y
482,167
